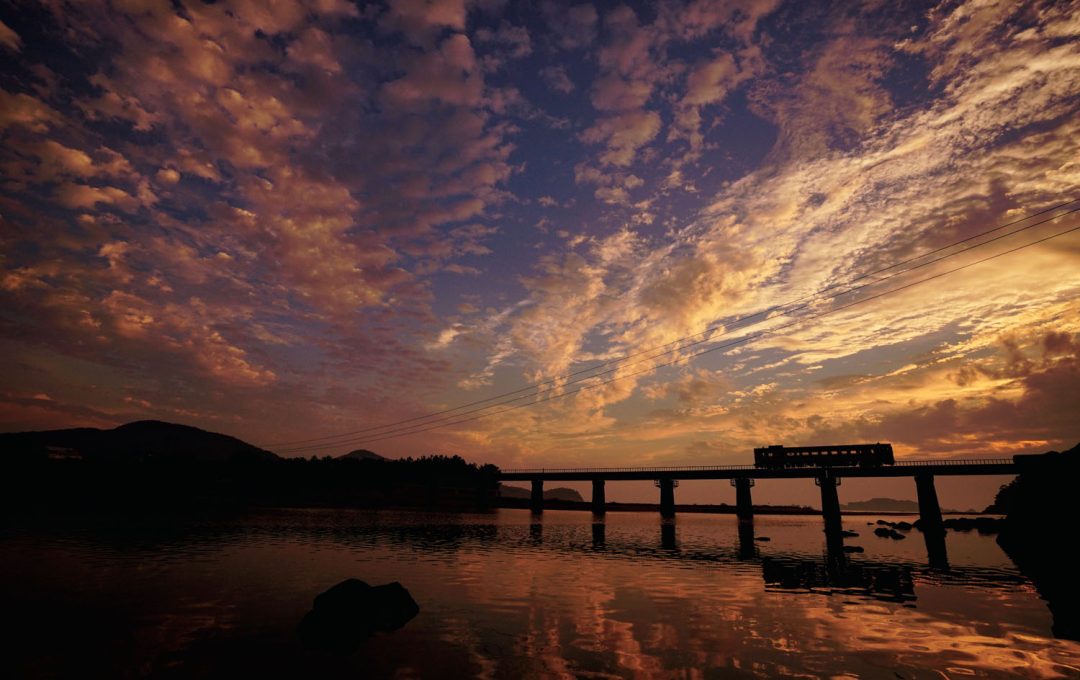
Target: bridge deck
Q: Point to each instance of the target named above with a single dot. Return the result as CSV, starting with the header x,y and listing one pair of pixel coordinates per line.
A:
x,y
907,468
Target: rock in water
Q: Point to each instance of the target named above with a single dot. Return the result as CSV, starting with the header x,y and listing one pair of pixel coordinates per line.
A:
x,y
350,612
889,533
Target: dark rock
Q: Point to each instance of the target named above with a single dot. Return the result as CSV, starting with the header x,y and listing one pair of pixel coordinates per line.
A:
x,y
853,549
984,525
884,532
849,534
903,526
763,539
350,612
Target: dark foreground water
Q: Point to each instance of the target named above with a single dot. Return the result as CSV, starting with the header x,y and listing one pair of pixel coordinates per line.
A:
x,y
503,595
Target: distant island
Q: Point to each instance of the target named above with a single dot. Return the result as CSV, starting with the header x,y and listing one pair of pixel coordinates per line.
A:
x,y
556,494
156,465
892,505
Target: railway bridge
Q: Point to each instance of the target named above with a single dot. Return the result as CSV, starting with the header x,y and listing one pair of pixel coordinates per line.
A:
x,y
743,478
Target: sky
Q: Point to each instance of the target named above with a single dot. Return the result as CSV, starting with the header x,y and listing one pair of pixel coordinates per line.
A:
x,y
287,220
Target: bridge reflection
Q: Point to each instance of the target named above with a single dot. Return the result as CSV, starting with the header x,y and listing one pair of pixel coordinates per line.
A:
x,y
744,477
834,572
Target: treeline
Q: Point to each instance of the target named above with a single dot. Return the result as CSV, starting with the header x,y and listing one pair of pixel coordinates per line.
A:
x,y
1040,507
109,484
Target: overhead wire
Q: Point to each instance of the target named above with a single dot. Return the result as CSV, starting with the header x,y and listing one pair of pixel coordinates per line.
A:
x,y
740,341
707,331
399,428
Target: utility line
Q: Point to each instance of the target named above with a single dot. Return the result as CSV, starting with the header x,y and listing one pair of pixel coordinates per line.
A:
x,y
707,331
455,420
536,385
732,326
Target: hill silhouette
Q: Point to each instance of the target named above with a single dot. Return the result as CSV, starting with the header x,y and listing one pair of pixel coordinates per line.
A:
x,y
139,440
165,466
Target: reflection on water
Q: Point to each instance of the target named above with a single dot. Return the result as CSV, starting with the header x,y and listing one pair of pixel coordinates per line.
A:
x,y
838,575
511,594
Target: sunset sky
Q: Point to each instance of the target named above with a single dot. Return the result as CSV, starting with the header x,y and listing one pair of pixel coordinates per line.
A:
x,y
288,220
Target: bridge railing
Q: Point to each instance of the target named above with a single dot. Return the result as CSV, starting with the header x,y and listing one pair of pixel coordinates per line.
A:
x,y
676,468
723,468
954,461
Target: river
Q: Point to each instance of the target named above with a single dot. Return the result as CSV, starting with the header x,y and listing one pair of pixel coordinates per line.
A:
x,y
506,595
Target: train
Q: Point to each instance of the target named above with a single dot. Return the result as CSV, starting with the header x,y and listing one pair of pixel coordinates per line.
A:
x,y
840,455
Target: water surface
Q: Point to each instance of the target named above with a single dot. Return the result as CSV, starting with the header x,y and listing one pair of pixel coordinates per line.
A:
x,y
505,595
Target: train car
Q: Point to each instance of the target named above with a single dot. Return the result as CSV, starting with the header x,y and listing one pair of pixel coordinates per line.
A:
x,y
841,455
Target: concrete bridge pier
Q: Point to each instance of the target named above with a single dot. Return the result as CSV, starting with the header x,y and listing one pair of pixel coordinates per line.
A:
x,y
667,496
598,535
598,501
667,536
935,550
830,504
744,505
536,499
929,508
930,521
747,547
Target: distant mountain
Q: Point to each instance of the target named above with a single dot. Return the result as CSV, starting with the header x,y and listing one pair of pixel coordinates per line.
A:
x,y
362,454
556,494
140,440
886,505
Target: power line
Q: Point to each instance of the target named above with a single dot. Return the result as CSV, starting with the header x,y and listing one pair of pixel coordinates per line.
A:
x,y
554,380
733,343
727,330
456,420
590,369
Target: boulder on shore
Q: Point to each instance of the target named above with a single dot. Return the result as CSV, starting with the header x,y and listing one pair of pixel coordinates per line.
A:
x,y
352,611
